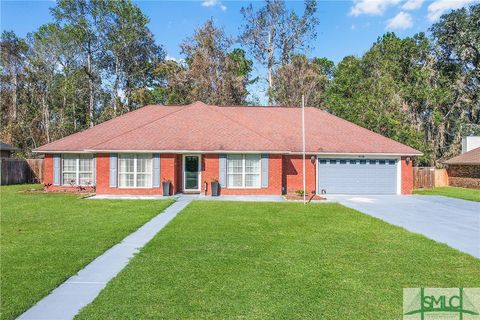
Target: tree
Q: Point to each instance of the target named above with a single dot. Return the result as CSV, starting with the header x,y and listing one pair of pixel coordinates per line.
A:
x,y
83,21
375,91
131,52
210,72
13,56
60,81
457,36
273,34
302,76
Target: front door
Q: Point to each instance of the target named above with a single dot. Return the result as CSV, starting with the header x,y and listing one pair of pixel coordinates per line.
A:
x,y
191,173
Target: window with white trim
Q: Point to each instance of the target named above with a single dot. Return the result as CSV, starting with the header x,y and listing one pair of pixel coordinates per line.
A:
x,y
135,170
77,169
243,171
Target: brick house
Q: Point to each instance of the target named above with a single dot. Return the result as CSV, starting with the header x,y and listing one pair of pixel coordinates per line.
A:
x,y
464,170
249,150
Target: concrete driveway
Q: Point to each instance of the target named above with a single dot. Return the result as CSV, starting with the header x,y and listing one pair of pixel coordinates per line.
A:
x,y
452,221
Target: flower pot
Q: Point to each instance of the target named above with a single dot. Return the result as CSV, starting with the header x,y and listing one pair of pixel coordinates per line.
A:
x,y
166,188
215,188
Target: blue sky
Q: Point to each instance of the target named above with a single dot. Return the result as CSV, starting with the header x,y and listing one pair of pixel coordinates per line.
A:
x,y
346,27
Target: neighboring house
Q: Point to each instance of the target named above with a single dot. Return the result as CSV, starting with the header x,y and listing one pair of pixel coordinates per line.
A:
x,y
250,150
470,143
464,170
6,150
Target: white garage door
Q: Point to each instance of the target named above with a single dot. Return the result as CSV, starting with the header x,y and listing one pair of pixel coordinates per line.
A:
x,y
354,176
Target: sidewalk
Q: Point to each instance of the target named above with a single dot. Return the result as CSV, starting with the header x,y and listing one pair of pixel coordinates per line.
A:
x,y
81,289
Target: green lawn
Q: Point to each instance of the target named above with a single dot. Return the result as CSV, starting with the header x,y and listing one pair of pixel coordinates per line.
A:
x,y
454,192
46,238
226,260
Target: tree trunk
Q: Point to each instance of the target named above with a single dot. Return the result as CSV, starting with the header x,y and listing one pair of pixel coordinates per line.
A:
x,y
270,63
14,98
46,117
12,116
91,103
115,89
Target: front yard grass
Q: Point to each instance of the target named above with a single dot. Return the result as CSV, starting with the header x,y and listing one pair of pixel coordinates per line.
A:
x,y
230,260
453,192
46,238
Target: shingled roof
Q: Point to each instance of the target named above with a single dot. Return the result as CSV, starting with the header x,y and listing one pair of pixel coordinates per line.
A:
x,y
471,157
7,147
206,128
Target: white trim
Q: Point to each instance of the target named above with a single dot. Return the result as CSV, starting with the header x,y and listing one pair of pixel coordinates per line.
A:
x,y
398,164
360,155
316,176
244,174
66,151
199,176
135,173
77,171
399,176
326,154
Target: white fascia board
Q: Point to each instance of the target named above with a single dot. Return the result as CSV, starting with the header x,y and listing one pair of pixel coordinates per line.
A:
x,y
320,155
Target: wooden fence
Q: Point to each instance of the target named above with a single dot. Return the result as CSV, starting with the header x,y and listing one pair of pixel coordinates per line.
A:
x,y
429,177
13,171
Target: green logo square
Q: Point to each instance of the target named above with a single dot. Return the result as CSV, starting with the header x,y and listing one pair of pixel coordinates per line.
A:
x,y
441,303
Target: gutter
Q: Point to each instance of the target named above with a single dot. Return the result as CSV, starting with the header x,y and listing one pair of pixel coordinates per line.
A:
x,y
320,154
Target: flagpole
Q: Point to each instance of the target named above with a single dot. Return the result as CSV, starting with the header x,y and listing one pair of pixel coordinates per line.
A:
x,y
303,150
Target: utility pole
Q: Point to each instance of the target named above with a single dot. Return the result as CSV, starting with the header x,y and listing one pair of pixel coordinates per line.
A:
x,y
303,150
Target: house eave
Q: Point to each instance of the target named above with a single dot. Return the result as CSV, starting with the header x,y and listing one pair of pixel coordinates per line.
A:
x,y
320,154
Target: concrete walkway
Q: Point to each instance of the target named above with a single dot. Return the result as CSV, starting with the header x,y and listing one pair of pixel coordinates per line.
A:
x,y
194,197
452,221
66,301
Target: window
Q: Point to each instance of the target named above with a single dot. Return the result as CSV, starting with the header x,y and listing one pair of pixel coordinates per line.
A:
x,y
135,170
243,171
77,169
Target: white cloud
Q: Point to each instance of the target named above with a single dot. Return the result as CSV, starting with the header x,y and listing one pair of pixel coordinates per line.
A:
x,y
213,3
170,58
401,21
209,3
412,4
439,7
371,7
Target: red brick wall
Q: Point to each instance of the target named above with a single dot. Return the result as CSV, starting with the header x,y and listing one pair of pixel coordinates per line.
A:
x,y
167,171
293,173
464,176
407,176
284,170
48,169
48,178
210,167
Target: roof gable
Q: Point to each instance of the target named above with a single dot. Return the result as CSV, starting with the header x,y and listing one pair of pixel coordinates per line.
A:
x,y
471,157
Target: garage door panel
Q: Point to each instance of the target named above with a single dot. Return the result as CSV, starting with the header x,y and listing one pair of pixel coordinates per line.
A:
x,y
340,176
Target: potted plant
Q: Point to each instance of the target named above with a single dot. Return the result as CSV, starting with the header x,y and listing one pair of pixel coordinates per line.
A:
x,y
215,187
166,187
